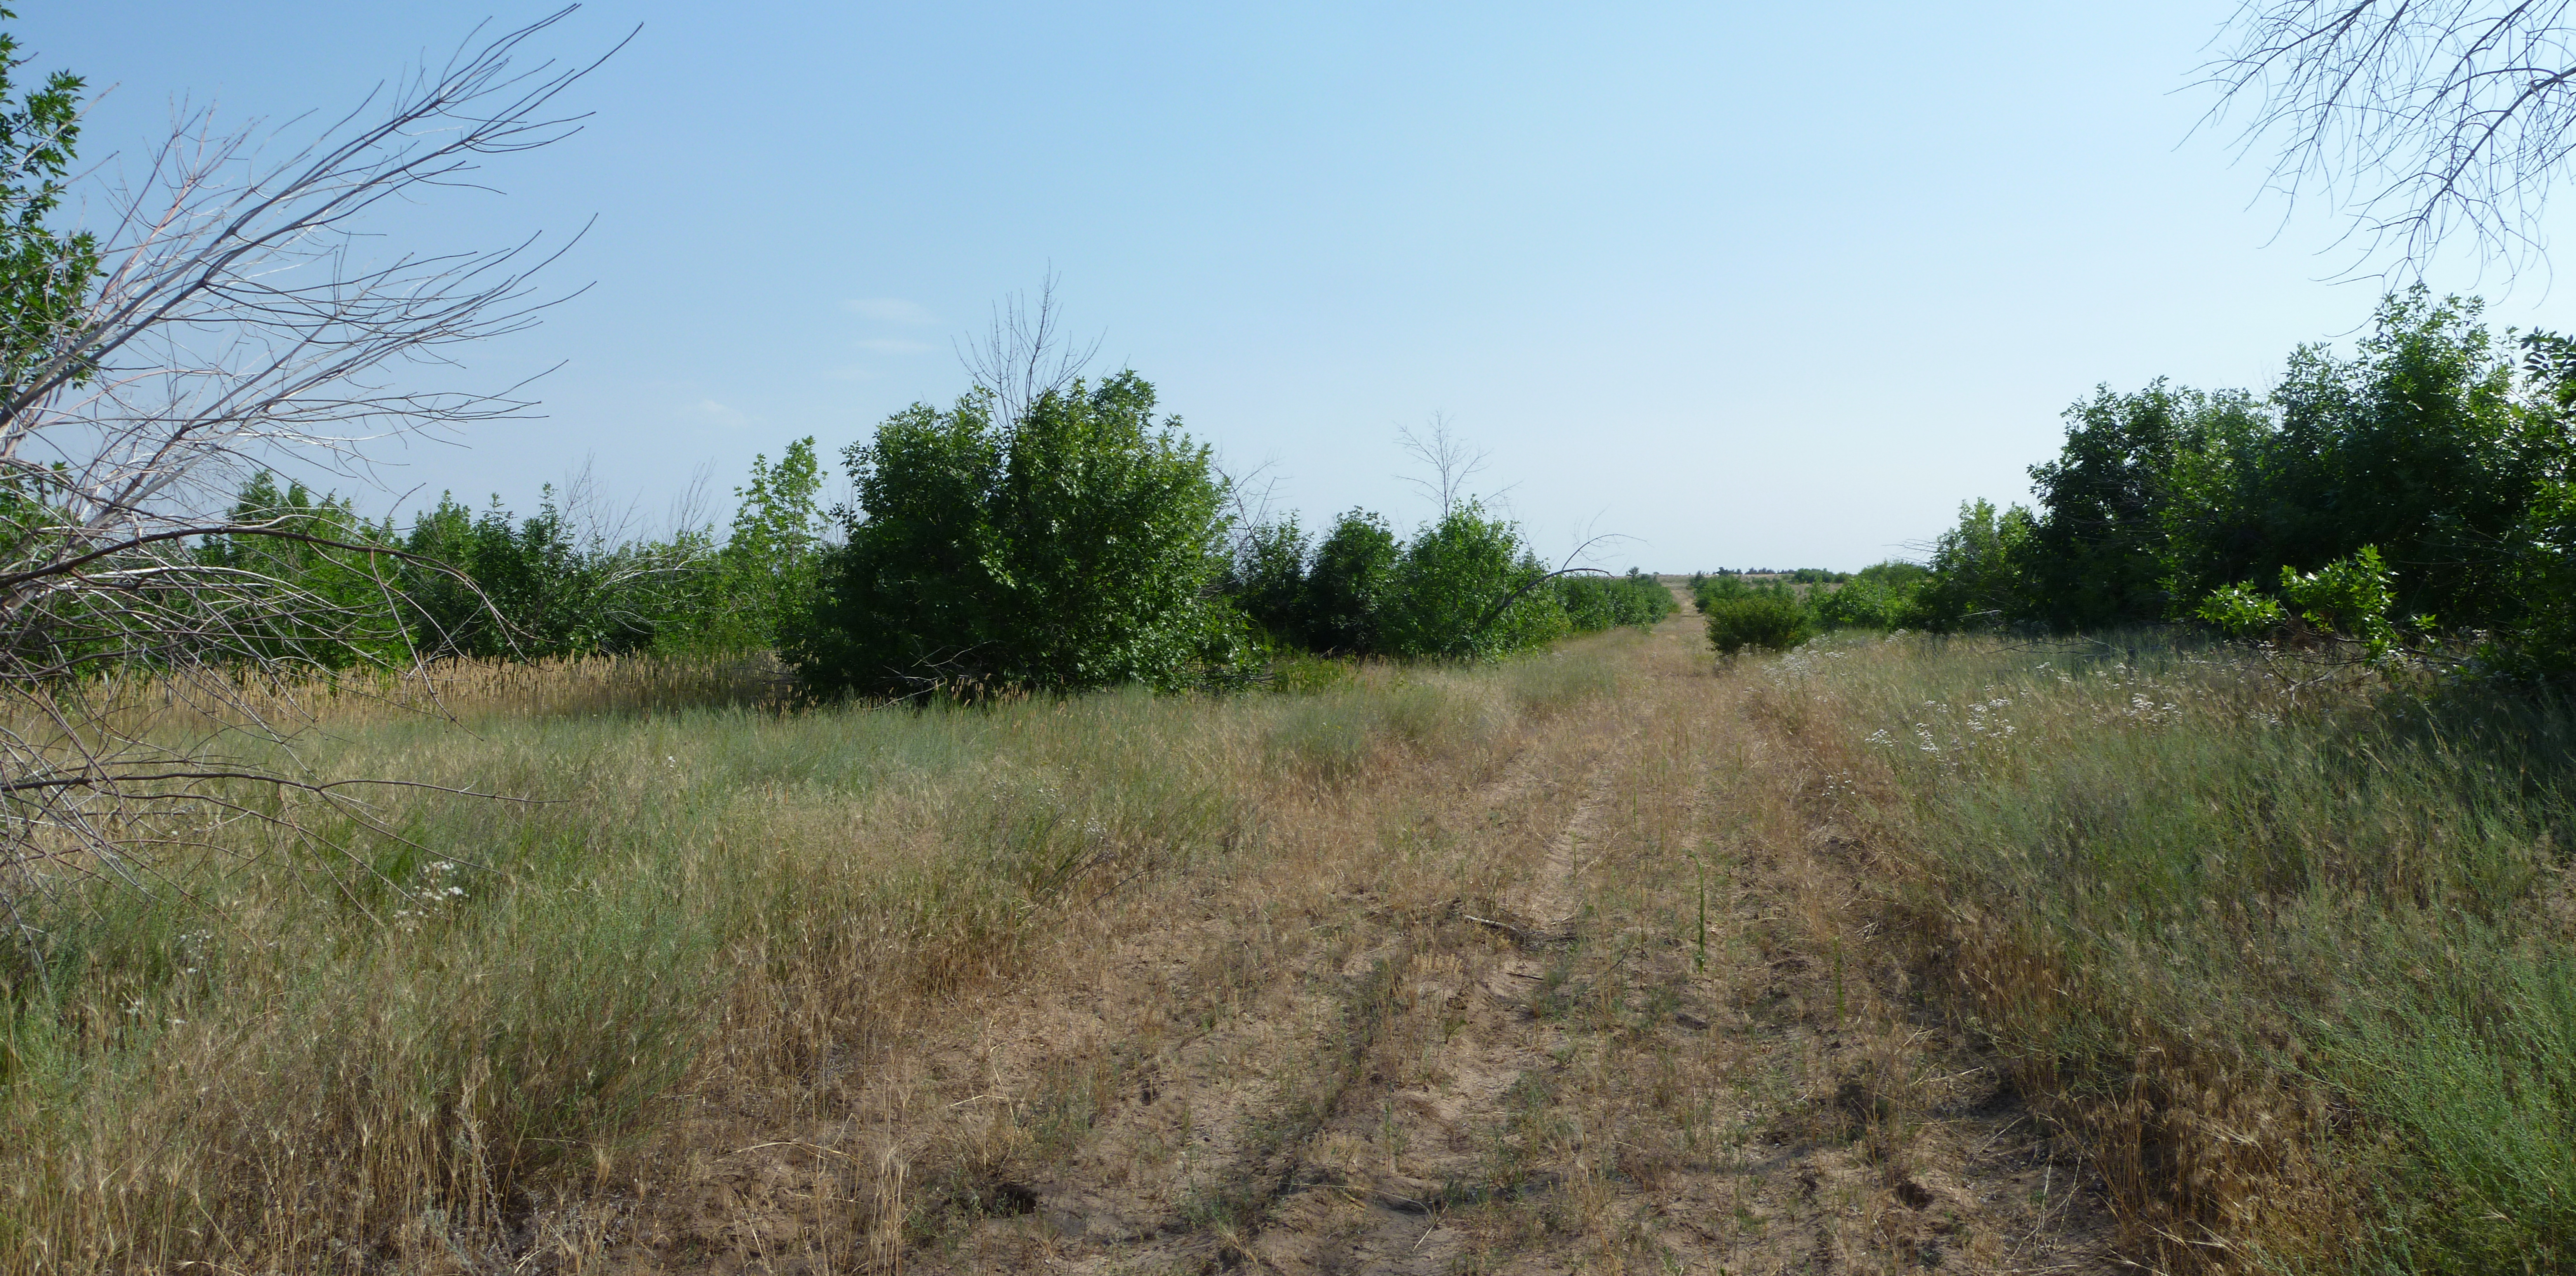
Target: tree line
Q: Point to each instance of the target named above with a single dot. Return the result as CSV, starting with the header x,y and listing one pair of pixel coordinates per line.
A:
x,y
2416,496
1083,543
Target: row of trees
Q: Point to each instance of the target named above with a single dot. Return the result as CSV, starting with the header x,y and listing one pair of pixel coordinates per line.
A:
x,y
1082,543
1463,586
491,584
2420,492
2429,479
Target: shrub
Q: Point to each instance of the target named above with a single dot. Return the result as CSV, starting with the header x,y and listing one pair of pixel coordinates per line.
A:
x,y
1079,546
1770,617
1883,596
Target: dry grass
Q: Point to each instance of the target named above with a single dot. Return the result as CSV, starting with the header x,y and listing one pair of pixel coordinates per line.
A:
x,y
1422,970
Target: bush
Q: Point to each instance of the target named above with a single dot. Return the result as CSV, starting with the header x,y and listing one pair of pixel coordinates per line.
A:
x,y
1884,596
1770,617
1079,546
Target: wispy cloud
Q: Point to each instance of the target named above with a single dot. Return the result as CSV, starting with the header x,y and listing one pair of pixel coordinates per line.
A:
x,y
890,310
714,413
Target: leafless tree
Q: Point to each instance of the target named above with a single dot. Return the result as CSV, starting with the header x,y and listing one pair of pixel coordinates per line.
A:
x,y
2423,120
237,322
1026,355
1449,459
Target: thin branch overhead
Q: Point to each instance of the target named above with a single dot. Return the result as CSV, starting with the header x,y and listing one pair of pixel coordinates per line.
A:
x,y
2423,121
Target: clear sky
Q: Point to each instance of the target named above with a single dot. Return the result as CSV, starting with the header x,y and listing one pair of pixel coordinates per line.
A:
x,y
1751,284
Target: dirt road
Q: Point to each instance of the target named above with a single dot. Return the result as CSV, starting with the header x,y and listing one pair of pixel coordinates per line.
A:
x,y
1600,996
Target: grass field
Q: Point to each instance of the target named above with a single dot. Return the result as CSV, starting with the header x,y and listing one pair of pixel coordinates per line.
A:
x,y
1886,954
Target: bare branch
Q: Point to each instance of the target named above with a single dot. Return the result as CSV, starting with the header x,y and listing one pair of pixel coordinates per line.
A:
x,y
1025,355
1449,459
151,636
2424,121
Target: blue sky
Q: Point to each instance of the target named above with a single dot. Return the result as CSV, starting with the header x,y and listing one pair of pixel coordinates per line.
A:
x,y
1752,285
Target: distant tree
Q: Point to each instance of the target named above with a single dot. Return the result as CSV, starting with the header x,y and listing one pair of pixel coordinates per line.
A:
x,y
1078,546
1467,587
1268,580
1449,463
769,564
1346,586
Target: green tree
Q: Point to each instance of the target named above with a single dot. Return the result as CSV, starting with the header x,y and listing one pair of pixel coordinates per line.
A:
x,y
1467,588
1267,578
1078,546
45,276
1348,581
771,562
295,579
2424,445
1981,571
2106,501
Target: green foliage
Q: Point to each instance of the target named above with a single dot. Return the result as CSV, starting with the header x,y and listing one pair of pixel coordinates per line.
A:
x,y
769,569
1467,588
2420,445
1596,603
45,277
1981,571
298,581
1882,596
1771,616
2433,452
2097,546
2241,611
1347,581
1268,580
2347,596
1078,546
536,587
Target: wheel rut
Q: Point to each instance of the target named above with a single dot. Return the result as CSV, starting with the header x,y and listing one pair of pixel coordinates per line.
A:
x,y
1603,1004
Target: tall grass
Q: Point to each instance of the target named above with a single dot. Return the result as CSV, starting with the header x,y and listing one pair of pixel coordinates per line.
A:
x,y
397,1042
2295,958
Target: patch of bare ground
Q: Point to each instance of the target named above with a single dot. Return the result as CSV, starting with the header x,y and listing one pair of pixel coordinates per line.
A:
x,y
1602,996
